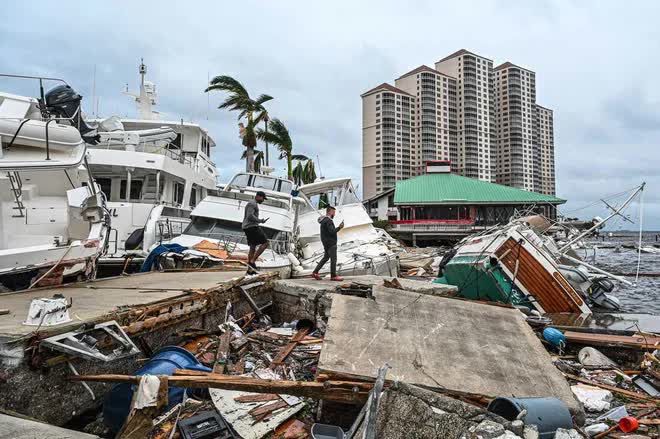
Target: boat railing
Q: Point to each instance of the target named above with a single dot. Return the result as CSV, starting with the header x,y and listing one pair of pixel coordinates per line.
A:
x,y
169,228
165,150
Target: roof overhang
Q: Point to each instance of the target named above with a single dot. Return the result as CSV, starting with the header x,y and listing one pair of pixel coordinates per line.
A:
x,y
474,203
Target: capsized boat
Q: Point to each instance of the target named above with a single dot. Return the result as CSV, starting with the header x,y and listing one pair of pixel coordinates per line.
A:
x,y
519,264
53,220
361,247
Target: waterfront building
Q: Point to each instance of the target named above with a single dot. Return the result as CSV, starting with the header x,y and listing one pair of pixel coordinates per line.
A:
x,y
484,120
441,205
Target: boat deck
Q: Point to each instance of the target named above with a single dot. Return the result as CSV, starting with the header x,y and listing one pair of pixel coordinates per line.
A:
x,y
93,300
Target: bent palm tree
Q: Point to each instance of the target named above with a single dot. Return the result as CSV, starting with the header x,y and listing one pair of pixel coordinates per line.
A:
x,y
279,136
252,110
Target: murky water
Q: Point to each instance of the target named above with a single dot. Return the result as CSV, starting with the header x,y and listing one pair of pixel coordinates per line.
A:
x,y
644,296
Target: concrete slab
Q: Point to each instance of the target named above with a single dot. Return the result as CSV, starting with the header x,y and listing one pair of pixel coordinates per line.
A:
x,y
95,299
17,428
310,286
440,342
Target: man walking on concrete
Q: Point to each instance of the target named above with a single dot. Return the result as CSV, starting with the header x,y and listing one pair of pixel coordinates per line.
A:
x,y
329,241
256,238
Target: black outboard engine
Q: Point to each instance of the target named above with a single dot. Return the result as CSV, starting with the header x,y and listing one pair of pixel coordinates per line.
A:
x,y
63,101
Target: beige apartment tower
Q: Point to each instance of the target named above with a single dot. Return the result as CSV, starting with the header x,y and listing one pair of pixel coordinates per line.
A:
x,y
485,120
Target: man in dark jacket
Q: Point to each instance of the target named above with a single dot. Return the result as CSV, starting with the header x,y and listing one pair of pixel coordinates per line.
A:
x,y
329,241
256,238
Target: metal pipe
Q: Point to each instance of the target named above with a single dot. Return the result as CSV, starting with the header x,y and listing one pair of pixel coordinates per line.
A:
x,y
92,184
47,142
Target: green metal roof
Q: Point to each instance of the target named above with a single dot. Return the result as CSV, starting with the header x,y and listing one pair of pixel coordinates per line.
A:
x,y
445,188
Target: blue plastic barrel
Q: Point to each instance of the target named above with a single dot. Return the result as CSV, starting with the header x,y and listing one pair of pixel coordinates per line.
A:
x,y
548,414
117,402
554,337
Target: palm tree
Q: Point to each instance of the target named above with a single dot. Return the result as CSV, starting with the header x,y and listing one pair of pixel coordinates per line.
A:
x,y
252,110
258,159
279,136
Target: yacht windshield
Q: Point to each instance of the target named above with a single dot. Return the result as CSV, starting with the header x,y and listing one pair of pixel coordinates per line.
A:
x,y
265,182
221,229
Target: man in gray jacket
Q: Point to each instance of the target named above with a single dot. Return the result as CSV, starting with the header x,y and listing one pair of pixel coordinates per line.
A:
x,y
329,241
256,238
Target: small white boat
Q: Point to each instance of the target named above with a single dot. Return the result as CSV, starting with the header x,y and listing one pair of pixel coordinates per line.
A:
x,y
217,220
53,221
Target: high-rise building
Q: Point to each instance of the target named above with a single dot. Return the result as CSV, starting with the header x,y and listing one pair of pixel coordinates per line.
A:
x,y
434,116
473,75
547,149
388,145
518,160
484,120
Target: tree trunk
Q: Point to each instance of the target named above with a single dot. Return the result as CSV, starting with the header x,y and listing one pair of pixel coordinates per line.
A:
x,y
249,159
266,129
289,167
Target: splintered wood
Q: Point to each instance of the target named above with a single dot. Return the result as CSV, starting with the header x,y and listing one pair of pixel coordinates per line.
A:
x,y
299,336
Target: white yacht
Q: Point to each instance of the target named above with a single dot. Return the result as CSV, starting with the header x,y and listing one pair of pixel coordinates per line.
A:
x,y
361,248
153,173
53,222
217,220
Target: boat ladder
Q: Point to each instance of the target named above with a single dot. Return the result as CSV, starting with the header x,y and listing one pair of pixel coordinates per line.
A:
x,y
17,189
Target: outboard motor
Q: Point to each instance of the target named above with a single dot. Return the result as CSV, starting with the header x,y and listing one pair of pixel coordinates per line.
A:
x,y
63,101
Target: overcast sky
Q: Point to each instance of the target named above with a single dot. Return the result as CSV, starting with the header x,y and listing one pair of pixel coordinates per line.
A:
x,y
596,63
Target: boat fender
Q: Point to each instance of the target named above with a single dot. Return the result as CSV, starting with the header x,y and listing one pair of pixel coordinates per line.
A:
x,y
554,337
294,261
134,241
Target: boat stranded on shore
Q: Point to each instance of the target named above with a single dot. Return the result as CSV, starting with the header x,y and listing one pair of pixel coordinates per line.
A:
x,y
503,340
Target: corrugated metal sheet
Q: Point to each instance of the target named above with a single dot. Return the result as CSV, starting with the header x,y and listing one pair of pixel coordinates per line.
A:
x,y
456,189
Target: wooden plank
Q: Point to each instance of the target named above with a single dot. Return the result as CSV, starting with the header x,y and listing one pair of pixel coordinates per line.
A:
x,y
257,397
344,392
624,392
281,356
635,341
222,354
268,408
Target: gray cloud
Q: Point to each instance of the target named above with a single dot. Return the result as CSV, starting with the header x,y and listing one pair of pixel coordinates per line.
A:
x,y
593,61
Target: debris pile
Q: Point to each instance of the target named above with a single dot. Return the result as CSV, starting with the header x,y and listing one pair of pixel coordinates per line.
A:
x,y
613,392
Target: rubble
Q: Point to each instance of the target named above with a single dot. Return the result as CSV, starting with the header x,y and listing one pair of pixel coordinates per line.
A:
x,y
592,398
279,356
409,411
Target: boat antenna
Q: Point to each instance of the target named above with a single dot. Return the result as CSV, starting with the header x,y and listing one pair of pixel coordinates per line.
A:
x,y
567,246
94,92
208,95
320,170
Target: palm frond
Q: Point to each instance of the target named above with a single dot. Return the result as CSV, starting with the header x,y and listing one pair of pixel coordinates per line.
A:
x,y
269,136
277,127
234,102
257,153
228,84
262,99
300,157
